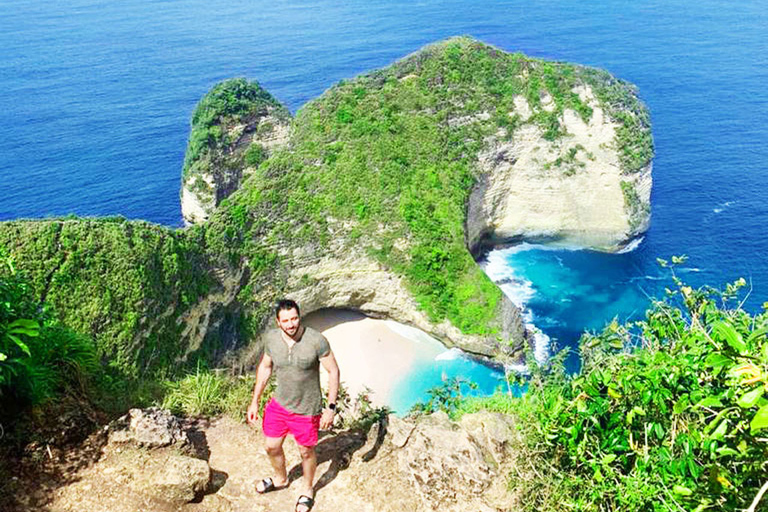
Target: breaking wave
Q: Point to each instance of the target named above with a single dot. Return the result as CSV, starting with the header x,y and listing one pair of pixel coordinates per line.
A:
x,y
520,291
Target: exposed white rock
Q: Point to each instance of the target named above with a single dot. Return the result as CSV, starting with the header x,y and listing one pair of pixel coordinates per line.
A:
x,y
196,208
224,170
522,108
569,189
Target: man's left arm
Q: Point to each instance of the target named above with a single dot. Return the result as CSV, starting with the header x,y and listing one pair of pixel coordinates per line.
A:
x,y
329,363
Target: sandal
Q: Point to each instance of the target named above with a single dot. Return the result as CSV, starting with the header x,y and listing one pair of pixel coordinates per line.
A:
x,y
268,485
305,500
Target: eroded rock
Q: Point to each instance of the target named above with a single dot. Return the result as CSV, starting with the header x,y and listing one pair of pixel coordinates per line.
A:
x,y
149,428
494,432
179,480
443,461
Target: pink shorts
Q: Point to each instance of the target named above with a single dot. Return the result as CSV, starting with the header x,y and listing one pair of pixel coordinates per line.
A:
x,y
278,421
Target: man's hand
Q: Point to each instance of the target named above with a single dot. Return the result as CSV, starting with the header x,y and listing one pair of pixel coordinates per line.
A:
x,y
252,416
326,420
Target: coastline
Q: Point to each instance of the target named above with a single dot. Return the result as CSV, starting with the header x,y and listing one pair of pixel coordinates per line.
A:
x,y
397,363
369,352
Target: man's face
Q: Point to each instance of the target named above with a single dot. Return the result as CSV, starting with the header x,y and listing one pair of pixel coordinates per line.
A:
x,y
288,320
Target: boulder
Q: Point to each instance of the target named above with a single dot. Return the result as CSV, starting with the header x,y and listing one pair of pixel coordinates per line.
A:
x,y
180,480
150,428
442,461
494,432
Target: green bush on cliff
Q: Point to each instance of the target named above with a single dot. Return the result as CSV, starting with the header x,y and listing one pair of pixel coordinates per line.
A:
x,y
669,413
39,358
123,283
224,103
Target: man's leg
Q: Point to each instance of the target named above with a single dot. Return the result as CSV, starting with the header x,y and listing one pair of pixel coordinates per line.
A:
x,y
308,468
274,448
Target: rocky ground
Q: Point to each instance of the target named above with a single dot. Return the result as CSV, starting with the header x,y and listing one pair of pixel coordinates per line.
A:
x,y
152,461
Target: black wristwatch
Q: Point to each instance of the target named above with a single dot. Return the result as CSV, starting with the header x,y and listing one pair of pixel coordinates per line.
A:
x,y
332,407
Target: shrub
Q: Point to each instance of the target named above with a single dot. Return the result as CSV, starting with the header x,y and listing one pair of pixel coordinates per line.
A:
x,y
39,358
198,394
665,414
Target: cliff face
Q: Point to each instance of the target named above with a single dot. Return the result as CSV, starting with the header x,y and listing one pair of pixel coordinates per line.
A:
x,y
572,189
373,198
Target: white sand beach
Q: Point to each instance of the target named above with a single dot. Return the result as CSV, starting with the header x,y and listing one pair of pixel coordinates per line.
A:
x,y
369,352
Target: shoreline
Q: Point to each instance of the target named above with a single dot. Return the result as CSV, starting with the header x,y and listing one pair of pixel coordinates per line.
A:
x,y
371,355
393,363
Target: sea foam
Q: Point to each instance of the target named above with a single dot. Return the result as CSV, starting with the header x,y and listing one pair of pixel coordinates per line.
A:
x,y
450,354
520,291
634,244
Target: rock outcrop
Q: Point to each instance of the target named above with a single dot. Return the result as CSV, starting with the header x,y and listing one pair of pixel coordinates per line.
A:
x,y
150,428
347,278
419,464
571,190
228,143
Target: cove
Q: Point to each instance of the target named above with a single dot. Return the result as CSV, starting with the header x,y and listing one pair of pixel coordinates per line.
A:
x,y
562,292
395,364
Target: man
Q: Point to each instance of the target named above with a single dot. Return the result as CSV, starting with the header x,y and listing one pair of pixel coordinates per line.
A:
x,y
294,353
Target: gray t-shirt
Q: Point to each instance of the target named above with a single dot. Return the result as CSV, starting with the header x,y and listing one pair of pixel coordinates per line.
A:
x,y
297,371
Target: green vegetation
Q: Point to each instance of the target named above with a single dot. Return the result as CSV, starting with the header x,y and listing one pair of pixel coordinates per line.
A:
x,y
210,393
255,155
226,104
568,163
633,135
401,144
637,209
39,358
205,393
124,284
669,413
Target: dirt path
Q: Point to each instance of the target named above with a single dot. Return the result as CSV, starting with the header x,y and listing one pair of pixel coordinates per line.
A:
x,y
398,466
235,454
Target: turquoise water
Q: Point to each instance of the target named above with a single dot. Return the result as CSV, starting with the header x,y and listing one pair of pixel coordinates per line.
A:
x,y
427,374
97,97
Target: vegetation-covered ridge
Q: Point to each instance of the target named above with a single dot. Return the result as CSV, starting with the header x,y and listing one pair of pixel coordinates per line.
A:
x,y
233,129
666,414
124,283
228,105
386,162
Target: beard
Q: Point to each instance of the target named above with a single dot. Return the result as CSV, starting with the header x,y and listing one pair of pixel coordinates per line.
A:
x,y
291,332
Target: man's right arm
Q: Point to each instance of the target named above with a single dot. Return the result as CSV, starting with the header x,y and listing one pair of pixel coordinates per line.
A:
x,y
263,373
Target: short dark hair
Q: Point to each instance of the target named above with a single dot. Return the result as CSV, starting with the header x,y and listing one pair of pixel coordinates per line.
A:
x,y
286,305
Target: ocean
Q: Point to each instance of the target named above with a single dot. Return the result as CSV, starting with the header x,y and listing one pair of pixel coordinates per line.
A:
x,y
97,98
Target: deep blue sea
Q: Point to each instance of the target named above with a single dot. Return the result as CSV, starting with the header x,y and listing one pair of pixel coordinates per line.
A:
x,y
96,99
